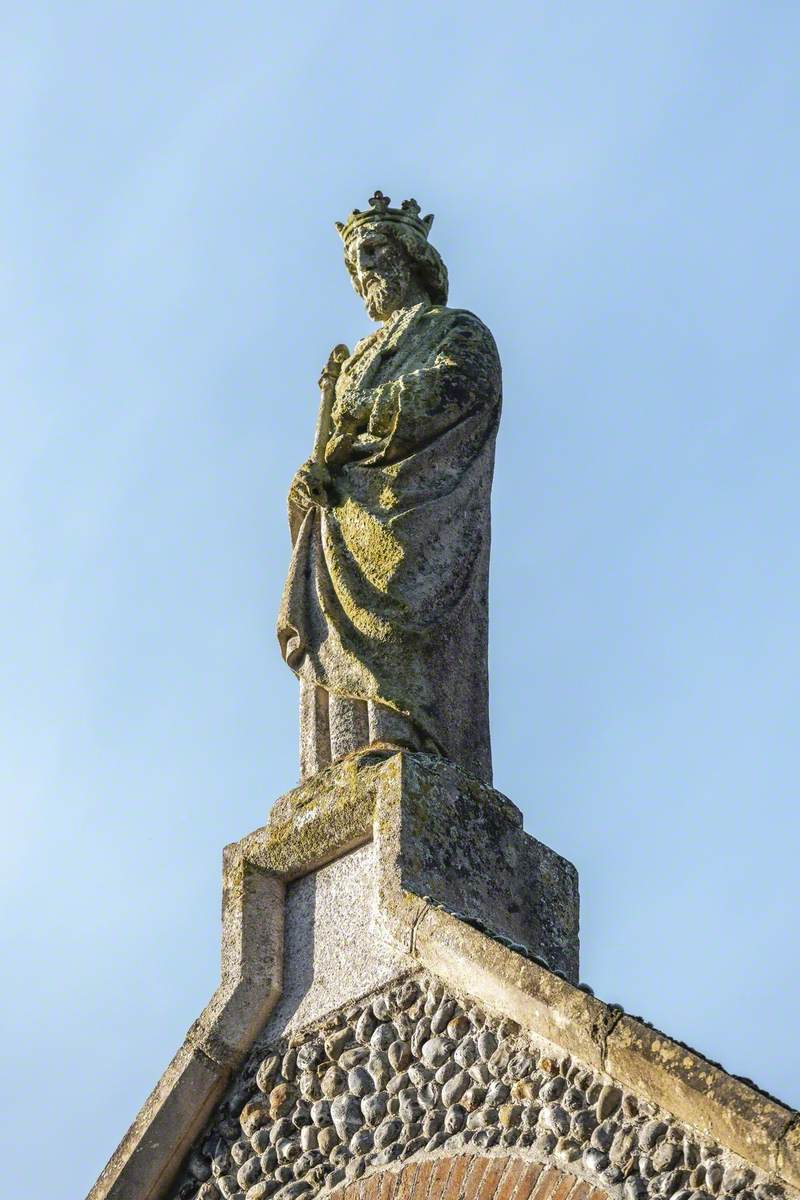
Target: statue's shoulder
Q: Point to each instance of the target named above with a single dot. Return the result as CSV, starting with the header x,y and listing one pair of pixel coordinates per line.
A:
x,y
465,327
439,315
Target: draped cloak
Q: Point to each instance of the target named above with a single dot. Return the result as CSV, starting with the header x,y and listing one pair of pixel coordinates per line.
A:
x,y
386,595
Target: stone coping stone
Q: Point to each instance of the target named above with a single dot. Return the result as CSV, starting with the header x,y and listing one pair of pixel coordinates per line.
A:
x,y
741,1118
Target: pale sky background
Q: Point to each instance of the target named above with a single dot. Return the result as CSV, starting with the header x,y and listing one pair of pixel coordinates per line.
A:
x,y
616,194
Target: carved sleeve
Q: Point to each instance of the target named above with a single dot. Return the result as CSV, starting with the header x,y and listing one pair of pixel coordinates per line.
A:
x,y
461,376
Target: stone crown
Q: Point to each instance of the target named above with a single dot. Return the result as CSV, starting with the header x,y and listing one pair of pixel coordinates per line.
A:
x,y
379,211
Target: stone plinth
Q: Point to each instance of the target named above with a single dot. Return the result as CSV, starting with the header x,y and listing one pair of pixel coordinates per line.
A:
x,y
442,837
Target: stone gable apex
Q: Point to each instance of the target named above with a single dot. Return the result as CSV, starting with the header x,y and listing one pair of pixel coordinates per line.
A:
x,y
348,896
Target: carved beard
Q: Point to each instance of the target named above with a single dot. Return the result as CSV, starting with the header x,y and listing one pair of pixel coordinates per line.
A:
x,y
384,294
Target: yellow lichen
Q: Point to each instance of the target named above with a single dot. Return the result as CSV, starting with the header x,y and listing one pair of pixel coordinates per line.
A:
x,y
388,498
379,553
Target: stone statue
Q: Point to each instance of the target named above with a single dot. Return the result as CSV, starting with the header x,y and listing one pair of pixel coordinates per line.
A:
x,y
384,615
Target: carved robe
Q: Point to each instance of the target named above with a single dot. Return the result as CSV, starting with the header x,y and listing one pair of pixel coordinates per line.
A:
x,y
386,596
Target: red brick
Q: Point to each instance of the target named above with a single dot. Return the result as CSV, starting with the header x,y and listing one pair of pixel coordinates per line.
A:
x,y
548,1182
441,1173
508,1181
528,1178
581,1191
491,1178
372,1188
470,1176
474,1176
535,1179
388,1182
563,1186
456,1179
424,1175
406,1183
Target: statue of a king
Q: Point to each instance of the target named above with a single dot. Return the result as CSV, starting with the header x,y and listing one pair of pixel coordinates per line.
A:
x,y
384,616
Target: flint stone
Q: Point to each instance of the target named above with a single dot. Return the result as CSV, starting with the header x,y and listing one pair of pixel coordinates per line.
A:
x,y
346,1116
480,1073
379,1068
281,1129
383,1036
399,1055
419,1075
361,1142
249,1173
359,1082
261,1191
255,1114
467,1053
293,1190
437,1051
446,1071
269,1160
433,1122
458,1027
337,1042
388,1132
454,1089
374,1108
556,1119
328,1139
309,1137
321,1112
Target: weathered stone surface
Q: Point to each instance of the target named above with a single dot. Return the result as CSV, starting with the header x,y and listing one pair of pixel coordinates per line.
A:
x,y
789,1152
443,837
332,949
458,842
674,1076
506,981
321,819
423,947
385,604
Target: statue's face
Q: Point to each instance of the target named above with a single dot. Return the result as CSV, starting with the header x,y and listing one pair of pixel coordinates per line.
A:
x,y
384,272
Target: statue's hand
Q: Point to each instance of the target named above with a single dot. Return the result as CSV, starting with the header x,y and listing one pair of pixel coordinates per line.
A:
x,y
351,412
338,449
384,412
310,486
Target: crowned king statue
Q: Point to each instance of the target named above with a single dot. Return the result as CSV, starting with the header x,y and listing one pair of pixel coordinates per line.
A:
x,y
384,615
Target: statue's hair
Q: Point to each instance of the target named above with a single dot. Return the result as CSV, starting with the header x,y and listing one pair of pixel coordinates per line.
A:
x,y
426,260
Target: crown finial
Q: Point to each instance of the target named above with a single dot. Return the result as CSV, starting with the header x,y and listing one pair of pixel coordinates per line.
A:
x,y
407,215
380,202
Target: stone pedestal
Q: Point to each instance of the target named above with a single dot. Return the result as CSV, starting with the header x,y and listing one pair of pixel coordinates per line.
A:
x,y
441,838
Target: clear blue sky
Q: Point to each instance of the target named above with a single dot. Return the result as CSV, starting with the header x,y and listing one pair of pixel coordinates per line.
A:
x,y
616,195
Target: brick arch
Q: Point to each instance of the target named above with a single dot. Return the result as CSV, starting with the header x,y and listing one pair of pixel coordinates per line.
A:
x,y
470,1177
